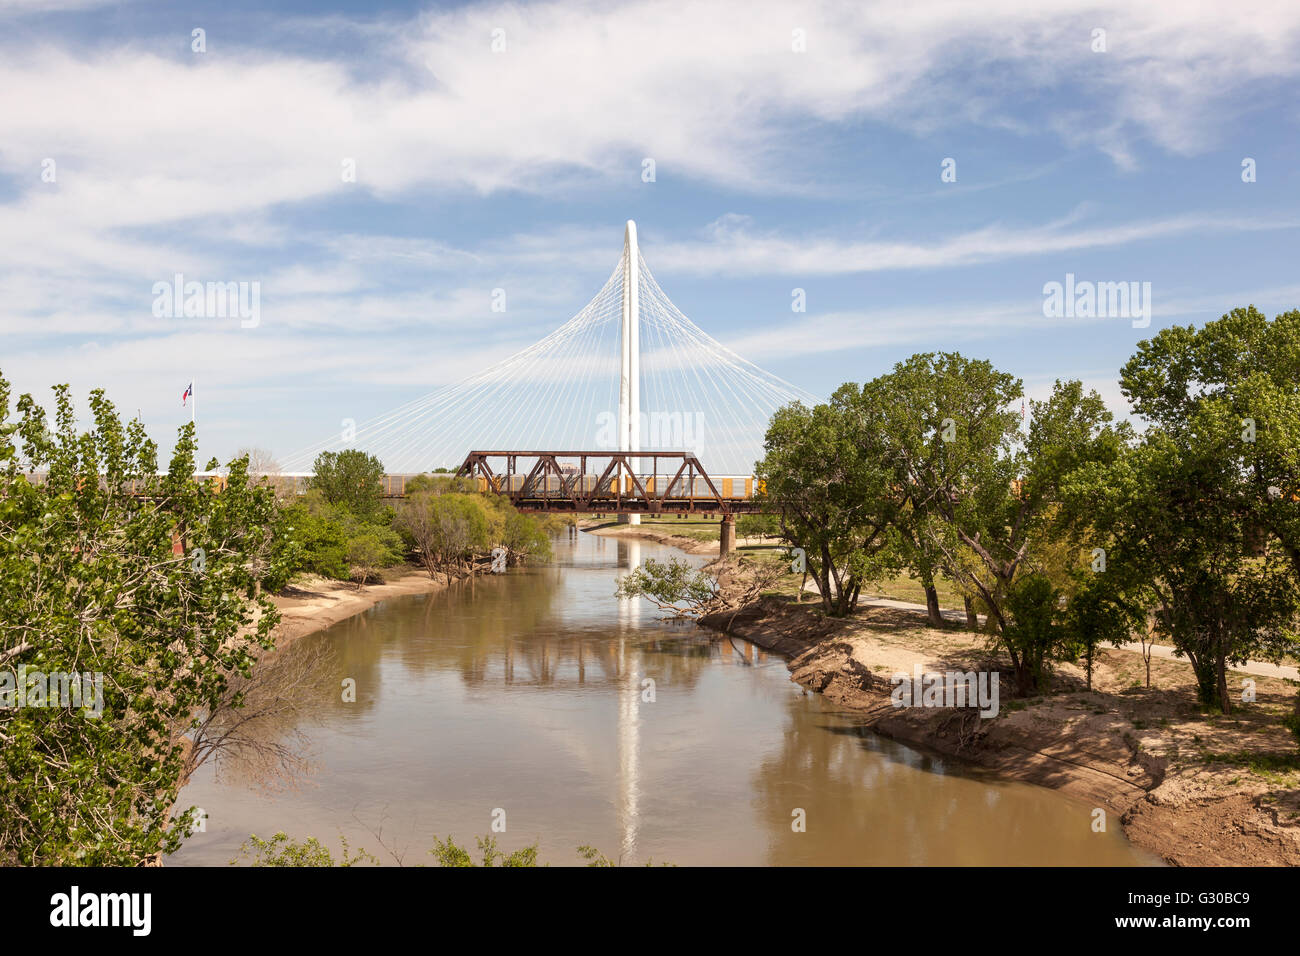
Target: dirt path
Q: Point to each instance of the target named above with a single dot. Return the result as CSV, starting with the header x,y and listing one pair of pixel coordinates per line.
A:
x,y
1258,668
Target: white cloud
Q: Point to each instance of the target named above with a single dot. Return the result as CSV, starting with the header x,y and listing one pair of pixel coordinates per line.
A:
x,y
732,247
188,163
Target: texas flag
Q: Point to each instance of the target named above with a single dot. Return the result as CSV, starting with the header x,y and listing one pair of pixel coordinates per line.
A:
x,y
189,390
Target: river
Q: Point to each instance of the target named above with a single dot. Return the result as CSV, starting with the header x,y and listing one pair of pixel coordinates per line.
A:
x,y
539,698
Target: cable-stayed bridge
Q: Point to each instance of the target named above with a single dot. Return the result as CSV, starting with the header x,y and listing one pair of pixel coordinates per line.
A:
x,y
629,373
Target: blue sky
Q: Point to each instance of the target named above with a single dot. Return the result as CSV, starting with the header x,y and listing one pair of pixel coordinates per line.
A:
x,y
517,169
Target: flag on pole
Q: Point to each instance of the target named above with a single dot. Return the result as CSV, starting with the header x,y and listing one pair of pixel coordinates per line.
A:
x,y
189,390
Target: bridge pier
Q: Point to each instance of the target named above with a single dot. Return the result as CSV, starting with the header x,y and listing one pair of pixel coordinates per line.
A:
x,y
727,541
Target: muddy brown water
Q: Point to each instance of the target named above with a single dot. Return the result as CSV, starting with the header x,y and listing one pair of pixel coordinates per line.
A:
x,y
528,697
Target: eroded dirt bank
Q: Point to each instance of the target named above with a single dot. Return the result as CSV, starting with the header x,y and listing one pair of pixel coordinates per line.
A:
x,y
1194,789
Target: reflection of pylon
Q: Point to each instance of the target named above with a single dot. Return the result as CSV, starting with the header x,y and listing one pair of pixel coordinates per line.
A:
x,y
629,386
629,751
629,706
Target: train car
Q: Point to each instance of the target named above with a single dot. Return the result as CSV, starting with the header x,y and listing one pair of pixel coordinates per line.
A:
x,y
736,487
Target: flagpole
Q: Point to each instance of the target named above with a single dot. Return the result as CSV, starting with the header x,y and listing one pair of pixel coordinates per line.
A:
x,y
194,402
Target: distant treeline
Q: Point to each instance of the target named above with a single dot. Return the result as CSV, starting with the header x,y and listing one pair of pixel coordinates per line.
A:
x,y
342,528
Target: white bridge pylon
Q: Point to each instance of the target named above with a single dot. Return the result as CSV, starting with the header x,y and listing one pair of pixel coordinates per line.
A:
x,y
629,372
629,389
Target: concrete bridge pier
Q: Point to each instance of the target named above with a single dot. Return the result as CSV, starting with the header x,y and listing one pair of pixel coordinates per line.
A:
x,y
727,542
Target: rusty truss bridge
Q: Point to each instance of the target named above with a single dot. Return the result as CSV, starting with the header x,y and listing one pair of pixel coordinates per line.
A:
x,y
602,482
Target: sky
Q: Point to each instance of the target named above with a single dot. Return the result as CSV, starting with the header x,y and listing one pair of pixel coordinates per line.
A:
x,y
921,171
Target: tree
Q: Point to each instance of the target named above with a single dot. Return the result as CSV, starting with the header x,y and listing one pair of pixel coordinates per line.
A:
x,y
1223,403
352,480
260,461
827,480
1181,514
684,591
366,555
146,583
674,586
523,536
1033,635
440,482
1099,612
321,539
998,497
948,434
280,851
448,530
758,526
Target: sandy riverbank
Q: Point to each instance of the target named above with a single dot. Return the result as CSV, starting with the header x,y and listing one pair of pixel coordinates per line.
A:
x,y
313,603
655,533
662,534
1194,789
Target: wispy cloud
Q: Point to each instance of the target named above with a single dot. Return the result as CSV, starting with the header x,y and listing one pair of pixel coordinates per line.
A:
x,y
733,247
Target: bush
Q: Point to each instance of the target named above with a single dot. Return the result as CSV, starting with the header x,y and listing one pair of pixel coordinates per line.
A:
x,y
1033,636
94,589
321,540
758,526
351,480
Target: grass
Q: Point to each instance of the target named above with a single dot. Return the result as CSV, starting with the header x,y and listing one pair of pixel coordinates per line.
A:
x,y
698,529
1277,769
904,587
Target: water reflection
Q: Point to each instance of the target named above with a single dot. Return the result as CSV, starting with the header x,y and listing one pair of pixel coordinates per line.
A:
x,y
528,692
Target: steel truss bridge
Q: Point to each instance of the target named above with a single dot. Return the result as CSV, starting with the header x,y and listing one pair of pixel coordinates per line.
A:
x,y
603,482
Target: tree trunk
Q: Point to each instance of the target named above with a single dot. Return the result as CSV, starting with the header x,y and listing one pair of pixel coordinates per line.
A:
x,y
972,619
1224,701
932,606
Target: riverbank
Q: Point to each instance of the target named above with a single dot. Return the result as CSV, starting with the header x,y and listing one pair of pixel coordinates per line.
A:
x,y
655,533
692,541
313,603
1194,789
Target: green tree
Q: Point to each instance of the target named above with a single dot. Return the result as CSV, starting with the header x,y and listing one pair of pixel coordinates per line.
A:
x,y
674,585
1226,399
440,481
834,493
350,479
449,853
758,526
948,433
280,851
447,530
1178,528
524,537
367,553
93,584
321,540
999,498
1099,612
1033,635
